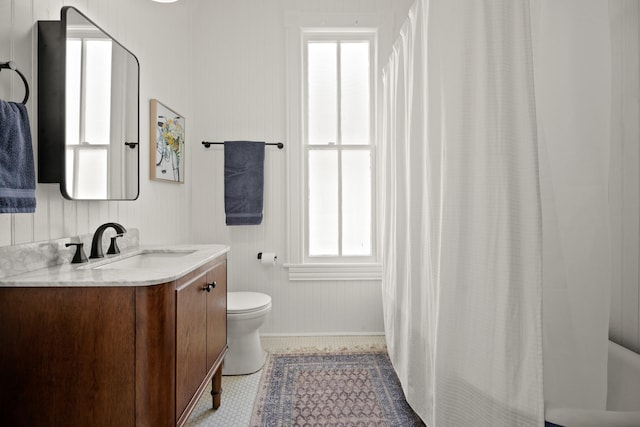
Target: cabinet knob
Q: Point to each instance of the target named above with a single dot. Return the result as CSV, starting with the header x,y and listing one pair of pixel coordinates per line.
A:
x,y
209,286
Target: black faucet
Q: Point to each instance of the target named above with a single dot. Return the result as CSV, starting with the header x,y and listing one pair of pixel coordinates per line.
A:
x,y
96,243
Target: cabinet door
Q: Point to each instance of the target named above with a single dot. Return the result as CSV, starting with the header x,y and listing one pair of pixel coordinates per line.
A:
x,y
67,356
191,346
216,313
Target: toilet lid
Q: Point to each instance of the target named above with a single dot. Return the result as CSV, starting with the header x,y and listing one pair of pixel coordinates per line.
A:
x,y
242,302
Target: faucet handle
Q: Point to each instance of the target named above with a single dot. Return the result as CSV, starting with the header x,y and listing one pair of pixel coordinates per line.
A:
x,y
79,256
113,247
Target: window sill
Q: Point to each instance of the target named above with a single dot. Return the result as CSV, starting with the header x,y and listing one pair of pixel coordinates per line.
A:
x,y
328,272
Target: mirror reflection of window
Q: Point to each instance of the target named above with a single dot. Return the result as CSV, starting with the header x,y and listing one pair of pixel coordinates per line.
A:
x,y
91,165
88,115
74,67
97,88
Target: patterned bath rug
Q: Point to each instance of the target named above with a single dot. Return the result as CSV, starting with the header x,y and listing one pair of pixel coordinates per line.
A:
x,y
352,389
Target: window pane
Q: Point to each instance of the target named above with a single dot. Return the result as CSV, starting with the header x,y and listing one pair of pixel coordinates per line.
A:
x,y
72,89
69,168
356,202
323,202
322,93
98,92
92,167
354,89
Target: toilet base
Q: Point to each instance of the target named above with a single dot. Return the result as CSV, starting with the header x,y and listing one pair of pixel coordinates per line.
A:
x,y
245,355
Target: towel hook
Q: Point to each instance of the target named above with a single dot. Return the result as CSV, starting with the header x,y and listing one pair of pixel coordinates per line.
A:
x,y
10,65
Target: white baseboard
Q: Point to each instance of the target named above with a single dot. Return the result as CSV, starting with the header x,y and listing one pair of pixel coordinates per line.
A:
x,y
322,334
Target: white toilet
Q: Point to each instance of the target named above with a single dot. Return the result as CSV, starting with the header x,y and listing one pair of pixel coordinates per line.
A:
x,y
246,312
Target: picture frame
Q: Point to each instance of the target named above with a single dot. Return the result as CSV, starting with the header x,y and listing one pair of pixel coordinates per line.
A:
x,y
167,144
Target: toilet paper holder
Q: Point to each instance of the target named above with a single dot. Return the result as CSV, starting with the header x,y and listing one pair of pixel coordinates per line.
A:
x,y
260,256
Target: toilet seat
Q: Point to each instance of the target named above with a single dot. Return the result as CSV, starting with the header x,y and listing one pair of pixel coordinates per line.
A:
x,y
246,302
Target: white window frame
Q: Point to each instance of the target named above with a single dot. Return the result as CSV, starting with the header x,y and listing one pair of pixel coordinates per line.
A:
x,y
299,29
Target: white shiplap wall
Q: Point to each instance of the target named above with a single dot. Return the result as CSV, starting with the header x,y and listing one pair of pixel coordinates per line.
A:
x,y
241,92
625,173
163,211
221,64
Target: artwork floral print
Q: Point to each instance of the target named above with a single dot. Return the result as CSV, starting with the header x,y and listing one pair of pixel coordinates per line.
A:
x,y
167,143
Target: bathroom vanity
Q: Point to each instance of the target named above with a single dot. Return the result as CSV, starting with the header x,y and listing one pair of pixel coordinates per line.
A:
x,y
129,341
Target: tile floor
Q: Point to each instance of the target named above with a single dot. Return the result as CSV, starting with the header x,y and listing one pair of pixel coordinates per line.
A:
x,y
239,392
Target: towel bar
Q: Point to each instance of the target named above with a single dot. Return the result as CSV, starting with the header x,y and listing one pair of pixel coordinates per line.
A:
x,y
10,65
208,144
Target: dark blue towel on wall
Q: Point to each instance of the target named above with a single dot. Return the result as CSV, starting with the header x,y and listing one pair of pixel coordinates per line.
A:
x,y
17,173
243,182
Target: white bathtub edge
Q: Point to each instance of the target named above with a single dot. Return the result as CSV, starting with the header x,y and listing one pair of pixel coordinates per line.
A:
x,y
569,417
623,400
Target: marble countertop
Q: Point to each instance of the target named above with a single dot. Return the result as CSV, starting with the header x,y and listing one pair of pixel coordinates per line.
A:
x,y
171,263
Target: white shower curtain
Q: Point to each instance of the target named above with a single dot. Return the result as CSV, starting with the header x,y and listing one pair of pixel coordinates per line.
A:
x,y
462,215
573,103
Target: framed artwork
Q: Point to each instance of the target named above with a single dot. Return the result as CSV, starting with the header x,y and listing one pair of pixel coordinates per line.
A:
x,y
167,143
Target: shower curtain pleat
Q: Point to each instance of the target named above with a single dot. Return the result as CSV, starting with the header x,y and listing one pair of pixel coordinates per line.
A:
x,y
462,215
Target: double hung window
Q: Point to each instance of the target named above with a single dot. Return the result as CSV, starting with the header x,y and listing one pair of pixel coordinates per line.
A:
x,y
338,143
335,238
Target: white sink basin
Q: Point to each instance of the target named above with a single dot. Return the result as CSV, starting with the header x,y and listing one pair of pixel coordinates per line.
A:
x,y
146,259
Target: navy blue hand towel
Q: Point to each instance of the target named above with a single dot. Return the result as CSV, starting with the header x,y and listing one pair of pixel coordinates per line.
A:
x,y
17,173
243,182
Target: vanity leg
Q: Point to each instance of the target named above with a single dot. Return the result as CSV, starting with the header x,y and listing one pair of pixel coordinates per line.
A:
x,y
216,387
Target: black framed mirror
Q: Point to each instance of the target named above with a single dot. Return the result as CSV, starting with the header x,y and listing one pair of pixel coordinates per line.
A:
x,y
88,110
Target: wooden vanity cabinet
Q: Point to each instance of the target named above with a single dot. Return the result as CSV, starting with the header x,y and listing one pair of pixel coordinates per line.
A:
x,y
201,340
112,356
